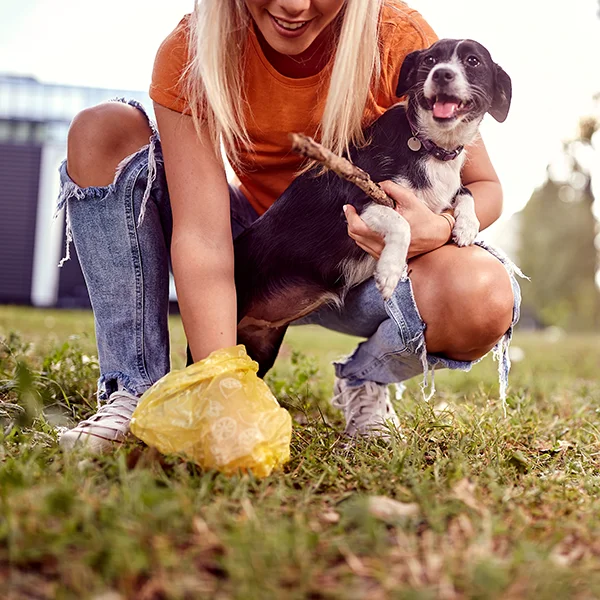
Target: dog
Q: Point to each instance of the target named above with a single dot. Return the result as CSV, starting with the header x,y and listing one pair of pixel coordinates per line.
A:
x,y
298,256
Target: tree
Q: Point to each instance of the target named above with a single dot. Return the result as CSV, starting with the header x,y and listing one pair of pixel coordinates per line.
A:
x,y
558,249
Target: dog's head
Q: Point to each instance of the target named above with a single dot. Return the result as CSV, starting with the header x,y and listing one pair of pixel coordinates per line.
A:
x,y
454,82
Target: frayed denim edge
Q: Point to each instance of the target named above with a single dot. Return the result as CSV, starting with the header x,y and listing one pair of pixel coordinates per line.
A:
x,y
69,189
421,348
500,352
123,383
151,148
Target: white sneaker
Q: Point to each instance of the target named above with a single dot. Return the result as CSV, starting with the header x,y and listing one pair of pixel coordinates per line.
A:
x,y
108,427
367,408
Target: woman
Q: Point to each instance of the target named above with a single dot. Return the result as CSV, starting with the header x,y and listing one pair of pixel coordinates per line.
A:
x,y
244,73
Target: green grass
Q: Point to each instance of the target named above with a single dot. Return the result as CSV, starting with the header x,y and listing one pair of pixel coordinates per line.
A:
x,y
492,507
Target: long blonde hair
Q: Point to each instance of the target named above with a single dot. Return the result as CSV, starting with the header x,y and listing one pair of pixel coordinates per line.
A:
x,y
215,87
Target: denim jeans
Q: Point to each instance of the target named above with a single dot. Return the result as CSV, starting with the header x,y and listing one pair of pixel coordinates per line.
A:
x,y
122,234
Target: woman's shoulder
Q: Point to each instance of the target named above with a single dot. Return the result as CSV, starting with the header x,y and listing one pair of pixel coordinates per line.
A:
x,y
175,45
180,34
403,25
170,62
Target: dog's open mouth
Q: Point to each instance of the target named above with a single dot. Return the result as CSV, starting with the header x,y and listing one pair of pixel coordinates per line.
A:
x,y
448,107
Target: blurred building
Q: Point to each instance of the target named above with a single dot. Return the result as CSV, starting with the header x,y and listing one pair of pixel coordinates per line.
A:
x,y
34,120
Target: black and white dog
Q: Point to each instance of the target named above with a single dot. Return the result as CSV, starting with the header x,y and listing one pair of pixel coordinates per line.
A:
x,y
298,255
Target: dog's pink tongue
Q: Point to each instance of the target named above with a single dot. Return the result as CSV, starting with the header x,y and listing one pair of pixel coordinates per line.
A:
x,y
444,110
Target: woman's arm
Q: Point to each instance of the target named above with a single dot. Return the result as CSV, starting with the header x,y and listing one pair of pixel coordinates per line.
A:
x,y
428,230
480,177
201,248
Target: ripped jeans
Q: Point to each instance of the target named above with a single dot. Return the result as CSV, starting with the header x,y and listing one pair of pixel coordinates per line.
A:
x,y
122,233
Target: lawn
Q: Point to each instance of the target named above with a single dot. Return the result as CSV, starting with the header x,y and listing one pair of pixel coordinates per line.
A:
x,y
470,504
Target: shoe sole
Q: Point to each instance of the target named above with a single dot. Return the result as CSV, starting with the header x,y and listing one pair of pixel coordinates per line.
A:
x,y
89,441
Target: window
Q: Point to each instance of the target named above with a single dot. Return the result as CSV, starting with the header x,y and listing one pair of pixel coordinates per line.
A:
x,y
22,132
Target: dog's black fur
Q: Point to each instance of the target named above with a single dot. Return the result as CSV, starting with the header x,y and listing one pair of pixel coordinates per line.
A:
x,y
298,255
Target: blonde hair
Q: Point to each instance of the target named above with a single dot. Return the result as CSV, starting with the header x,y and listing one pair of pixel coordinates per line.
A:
x,y
215,87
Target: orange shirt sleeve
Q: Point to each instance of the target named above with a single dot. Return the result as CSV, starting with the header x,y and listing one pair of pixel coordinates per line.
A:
x,y
171,60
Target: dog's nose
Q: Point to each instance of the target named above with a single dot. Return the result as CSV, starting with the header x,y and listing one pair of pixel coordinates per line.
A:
x,y
443,75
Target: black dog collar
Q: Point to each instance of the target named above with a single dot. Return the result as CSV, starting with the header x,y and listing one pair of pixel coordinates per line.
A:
x,y
417,141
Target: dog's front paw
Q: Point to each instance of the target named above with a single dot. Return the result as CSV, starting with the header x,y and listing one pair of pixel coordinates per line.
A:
x,y
465,230
387,275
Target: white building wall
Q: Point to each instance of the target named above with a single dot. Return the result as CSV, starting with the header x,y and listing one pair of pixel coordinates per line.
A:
x,y
49,231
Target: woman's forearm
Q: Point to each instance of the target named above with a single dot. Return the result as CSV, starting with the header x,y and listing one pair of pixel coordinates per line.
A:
x,y
487,196
204,278
480,177
201,246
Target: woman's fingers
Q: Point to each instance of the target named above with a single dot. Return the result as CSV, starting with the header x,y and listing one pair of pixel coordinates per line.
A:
x,y
356,226
403,196
367,239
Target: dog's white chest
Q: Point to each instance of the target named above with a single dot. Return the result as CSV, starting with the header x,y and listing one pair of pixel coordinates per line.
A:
x,y
444,179
443,182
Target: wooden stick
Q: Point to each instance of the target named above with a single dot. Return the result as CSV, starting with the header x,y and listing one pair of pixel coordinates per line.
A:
x,y
306,146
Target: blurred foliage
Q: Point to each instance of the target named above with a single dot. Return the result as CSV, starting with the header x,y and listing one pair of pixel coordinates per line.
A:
x,y
558,242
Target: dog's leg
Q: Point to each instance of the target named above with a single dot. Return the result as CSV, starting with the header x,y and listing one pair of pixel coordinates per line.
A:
x,y
262,344
263,326
467,225
396,232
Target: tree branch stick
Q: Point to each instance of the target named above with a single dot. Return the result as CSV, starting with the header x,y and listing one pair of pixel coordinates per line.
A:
x,y
306,146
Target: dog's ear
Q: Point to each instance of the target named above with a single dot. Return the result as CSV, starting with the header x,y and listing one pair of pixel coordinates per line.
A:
x,y
502,95
408,74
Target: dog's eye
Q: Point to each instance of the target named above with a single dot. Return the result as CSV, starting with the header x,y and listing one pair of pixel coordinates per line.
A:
x,y
473,61
429,61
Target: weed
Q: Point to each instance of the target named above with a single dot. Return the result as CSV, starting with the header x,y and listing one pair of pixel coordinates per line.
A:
x,y
486,506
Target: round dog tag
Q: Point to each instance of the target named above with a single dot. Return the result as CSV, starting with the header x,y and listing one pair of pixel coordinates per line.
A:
x,y
414,144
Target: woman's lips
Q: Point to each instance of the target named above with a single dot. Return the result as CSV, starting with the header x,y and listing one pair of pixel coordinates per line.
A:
x,y
291,29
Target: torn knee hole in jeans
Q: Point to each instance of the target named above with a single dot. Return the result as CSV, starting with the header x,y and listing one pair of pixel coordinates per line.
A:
x,y
70,190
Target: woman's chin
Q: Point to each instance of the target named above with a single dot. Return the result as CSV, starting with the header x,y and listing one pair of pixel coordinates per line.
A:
x,y
289,47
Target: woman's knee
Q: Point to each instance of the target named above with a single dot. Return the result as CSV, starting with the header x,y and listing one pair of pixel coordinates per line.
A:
x,y
485,308
467,304
100,137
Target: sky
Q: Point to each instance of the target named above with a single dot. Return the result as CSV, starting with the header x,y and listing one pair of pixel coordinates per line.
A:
x,y
550,49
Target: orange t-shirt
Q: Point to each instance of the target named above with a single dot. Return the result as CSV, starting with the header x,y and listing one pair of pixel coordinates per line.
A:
x,y
280,105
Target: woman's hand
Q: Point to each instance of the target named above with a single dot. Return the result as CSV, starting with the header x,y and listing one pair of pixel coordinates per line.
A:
x,y
428,230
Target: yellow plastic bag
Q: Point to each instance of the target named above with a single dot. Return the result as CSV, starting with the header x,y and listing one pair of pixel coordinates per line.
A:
x,y
218,413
